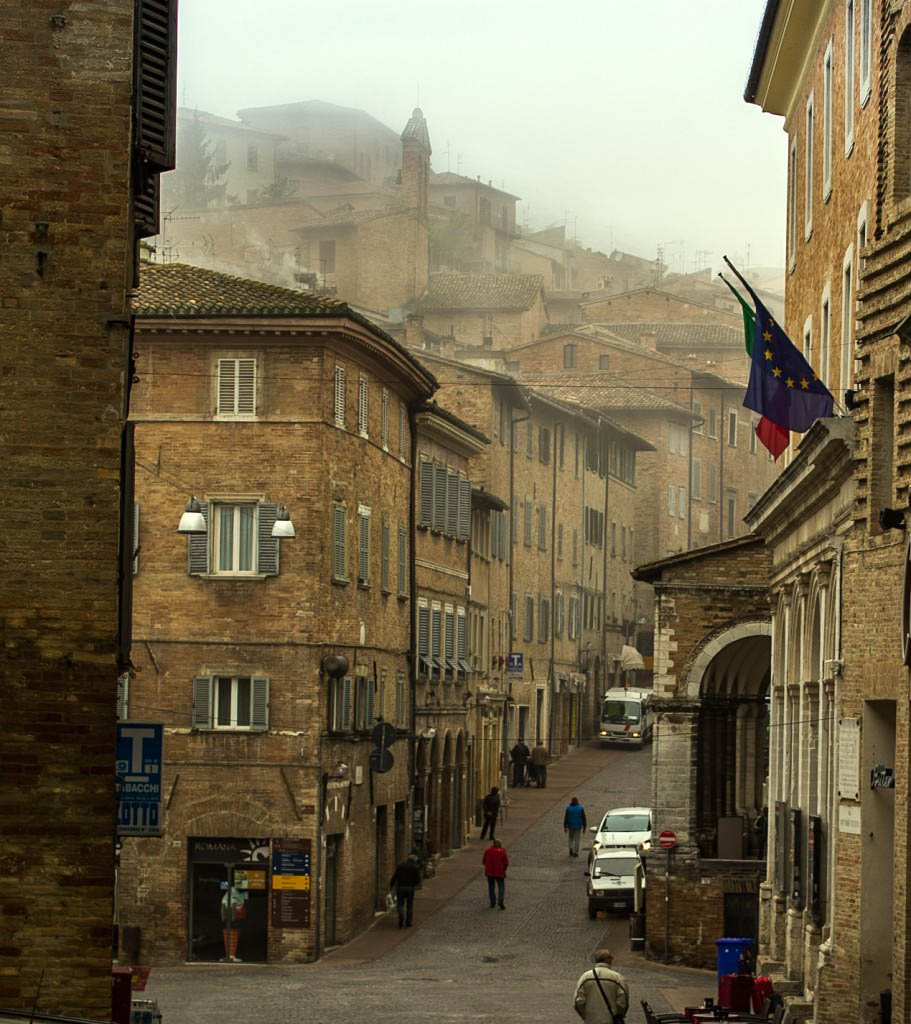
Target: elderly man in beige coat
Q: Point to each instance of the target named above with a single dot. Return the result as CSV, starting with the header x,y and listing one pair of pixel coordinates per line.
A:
x,y
602,996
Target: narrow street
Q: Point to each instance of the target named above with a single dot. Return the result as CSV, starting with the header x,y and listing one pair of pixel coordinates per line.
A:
x,y
463,961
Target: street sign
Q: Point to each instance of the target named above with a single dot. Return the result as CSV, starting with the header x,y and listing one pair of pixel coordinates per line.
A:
x,y
515,664
383,734
667,840
290,883
381,761
138,778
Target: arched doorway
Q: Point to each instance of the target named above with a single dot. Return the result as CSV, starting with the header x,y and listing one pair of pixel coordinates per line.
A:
x,y
447,801
458,816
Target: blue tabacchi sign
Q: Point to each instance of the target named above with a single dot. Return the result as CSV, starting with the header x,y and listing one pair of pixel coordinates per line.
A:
x,y
139,755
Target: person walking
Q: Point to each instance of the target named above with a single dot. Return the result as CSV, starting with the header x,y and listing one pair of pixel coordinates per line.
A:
x,y
491,809
405,879
574,824
496,861
539,759
519,756
602,995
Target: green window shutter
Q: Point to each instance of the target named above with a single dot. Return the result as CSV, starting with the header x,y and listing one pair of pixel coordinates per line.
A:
x,y
198,547
527,537
339,555
450,636
423,631
363,552
439,498
259,711
425,517
452,504
384,571
267,557
346,704
202,702
464,522
371,702
403,571
462,649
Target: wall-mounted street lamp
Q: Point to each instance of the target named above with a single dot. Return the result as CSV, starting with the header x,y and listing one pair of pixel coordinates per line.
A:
x,y
283,527
192,520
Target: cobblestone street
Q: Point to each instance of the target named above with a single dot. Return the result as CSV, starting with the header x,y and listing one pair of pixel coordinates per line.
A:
x,y
463,961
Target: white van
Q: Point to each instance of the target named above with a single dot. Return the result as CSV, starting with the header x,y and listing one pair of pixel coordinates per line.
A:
x,y
626,717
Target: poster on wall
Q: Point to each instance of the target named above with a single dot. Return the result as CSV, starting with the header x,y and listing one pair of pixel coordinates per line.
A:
x,y
290,883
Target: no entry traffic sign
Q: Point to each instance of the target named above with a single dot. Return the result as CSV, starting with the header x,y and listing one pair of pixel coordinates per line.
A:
x,y
667,839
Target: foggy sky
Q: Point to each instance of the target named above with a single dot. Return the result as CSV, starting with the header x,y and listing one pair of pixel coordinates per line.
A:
x,y
624,117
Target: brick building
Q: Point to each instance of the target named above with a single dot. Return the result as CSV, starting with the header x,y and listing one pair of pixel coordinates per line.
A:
x,y
651,303
473,223
837,924
82,151
253,397
711,682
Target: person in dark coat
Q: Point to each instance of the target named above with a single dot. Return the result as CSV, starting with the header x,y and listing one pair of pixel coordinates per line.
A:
x,y
405,880
574,824
495,863
519,756
491,808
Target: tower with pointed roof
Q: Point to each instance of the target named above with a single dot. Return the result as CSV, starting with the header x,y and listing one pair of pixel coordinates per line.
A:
x,y
415,189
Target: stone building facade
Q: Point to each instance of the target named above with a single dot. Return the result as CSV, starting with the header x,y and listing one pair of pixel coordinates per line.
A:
x,y
253,398
711,682
75,198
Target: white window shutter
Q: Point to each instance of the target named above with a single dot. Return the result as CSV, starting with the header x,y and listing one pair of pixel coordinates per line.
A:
x,y
363,553
259,710
227,386
426,484
362,407
464,515
246,386
202,702
198,547
267,554
385,419
452,504
340,396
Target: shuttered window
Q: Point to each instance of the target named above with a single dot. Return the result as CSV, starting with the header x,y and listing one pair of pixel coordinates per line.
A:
x,y
449,642
436,639
424,666
425,511
559,613
529,617
363,549
156,83
340,704
198,547
400,703
236,387
339,543
543,620
452,504
384,567
439,498
403,432
231,702
462,641
542,527
135,564
527,524
362,407
402,566
340,396
385,408
463,530
364,694
504,535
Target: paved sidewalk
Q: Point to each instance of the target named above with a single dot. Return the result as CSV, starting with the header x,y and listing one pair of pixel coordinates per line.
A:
x,y
526,806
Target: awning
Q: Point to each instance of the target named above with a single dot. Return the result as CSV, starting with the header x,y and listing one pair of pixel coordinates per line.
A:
x,y
630,658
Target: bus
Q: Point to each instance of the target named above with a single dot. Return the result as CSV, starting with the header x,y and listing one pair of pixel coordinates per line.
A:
x,y
626,717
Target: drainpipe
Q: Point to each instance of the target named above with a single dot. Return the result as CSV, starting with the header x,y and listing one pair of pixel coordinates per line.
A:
x,y
604,536
721,490
512,517
553,571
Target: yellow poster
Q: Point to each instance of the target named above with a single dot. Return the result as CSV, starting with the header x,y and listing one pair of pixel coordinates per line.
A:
x,y
301,882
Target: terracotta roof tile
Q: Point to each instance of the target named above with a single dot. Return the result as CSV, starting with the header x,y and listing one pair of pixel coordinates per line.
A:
x,y
479,292
591,392
681,335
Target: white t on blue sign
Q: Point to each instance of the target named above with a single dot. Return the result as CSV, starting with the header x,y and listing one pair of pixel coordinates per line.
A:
x,y
515,664
139,754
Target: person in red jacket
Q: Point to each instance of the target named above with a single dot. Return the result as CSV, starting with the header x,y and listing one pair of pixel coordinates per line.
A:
x,y
495,863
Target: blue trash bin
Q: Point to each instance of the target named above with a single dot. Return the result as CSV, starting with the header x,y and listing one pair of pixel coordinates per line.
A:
x,y
729,952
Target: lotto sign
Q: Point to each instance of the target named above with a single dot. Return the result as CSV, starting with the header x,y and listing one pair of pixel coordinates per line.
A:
x,y
138,768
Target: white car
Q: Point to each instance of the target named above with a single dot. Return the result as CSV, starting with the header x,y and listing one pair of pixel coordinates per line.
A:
x,y
627,827
611,880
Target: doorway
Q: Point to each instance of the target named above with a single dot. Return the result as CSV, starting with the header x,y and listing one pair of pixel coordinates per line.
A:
x,y
332,858
539,716
381,874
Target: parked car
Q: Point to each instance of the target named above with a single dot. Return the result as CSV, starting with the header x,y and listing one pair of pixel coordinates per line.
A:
x,y
611,880
629,827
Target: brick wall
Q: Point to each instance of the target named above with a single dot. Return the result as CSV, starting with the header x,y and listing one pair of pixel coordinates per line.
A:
x,y
65,133
653,304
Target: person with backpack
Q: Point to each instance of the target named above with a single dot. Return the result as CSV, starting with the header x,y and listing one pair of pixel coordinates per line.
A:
x,y
491,809
602,995
574,824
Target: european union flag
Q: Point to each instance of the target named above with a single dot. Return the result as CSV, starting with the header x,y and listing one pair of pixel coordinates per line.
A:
x,y
783,386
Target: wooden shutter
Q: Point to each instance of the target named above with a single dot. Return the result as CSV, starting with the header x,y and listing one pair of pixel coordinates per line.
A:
x,y
123,696
202,702
450,635
362,407
363,551
403,572
156,83
370,711
339,555
267,554
439,498
384,574
462,636
385,419
259,704
527,537
423,631
494,535
340,396
464,521
135,537
198,547
403,433
345,722
435,621
504,538
227,386
425,517
452,504
246,386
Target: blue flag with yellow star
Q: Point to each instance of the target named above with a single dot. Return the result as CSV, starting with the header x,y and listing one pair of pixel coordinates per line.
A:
x,y
783,386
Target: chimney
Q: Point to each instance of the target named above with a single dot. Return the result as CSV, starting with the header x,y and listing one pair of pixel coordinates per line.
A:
x,y
414,331
649,340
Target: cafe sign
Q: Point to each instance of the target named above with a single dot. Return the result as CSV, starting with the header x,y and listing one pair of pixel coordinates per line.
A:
x,y
882,777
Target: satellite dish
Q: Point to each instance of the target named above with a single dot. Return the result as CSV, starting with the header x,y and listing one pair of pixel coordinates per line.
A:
x,y
335,665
